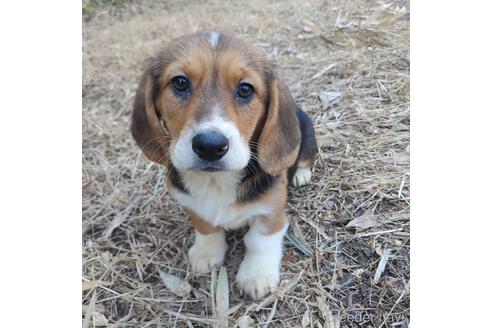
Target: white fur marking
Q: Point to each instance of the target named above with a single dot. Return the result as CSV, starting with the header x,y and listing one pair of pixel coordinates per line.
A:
x,y
212,196
302,177
259,272
236,158
182,155
214,38
208,251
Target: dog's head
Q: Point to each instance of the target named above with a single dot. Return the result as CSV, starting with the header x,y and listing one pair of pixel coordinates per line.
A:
x,y
209,102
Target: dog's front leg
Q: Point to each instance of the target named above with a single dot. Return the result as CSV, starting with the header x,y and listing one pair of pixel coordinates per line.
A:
x,y
260,270
209,248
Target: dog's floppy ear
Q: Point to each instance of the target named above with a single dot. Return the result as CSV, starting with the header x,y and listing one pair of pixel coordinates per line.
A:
x,y
146,128
280,138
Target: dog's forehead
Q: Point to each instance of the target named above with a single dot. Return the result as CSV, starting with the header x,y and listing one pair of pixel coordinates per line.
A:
x,y
215,41
211,48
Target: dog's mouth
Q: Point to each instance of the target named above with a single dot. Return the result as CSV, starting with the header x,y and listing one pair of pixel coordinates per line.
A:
x,y
210,169
206,166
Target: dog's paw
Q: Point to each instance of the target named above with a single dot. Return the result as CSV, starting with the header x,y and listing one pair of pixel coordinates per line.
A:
x,y
207,253
302,177
257,276
259,286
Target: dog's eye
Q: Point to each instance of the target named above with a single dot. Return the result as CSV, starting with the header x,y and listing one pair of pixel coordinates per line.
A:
x,y
180,84
245,90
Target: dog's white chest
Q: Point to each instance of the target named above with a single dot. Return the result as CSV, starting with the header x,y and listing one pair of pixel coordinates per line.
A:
x,y
213,197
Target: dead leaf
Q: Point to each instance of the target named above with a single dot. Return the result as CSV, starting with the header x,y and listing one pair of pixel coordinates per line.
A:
x,y
99,320
271,314
401,158
329,98
323,308
88,284
329,204
305,319
175,284
99,307
213,286
245,322
299,242
381,266
285,286
391,19
358,273
311,25
328,317
222,298
332,321
365,221
117,221
89,311
323,71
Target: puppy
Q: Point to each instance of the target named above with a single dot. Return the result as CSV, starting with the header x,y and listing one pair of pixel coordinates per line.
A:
x,y
215,112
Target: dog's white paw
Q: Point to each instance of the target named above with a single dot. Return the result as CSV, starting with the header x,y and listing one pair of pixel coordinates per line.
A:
x,y
302,177
207,252
257,276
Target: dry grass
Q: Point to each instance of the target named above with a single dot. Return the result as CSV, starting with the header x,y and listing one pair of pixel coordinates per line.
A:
x,y
354,217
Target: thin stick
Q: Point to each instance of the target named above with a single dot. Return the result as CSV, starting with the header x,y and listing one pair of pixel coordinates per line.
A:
x,y
397,301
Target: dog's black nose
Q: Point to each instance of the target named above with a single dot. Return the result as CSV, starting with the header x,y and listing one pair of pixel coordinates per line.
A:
x,y
210,146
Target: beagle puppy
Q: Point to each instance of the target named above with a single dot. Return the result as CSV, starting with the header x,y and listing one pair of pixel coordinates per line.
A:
x,y
216,113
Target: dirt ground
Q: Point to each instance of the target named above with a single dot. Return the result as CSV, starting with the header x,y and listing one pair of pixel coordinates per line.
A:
x,y
346,260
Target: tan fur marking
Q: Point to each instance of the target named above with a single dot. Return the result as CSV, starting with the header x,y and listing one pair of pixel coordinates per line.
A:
x,y
201,225
198,62
193,65
146,128
276,198
274,224
233,63
233,69
281,136
306,163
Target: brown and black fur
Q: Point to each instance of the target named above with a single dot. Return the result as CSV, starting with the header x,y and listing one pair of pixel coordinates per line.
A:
x,y
273,144
283,137
308,148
